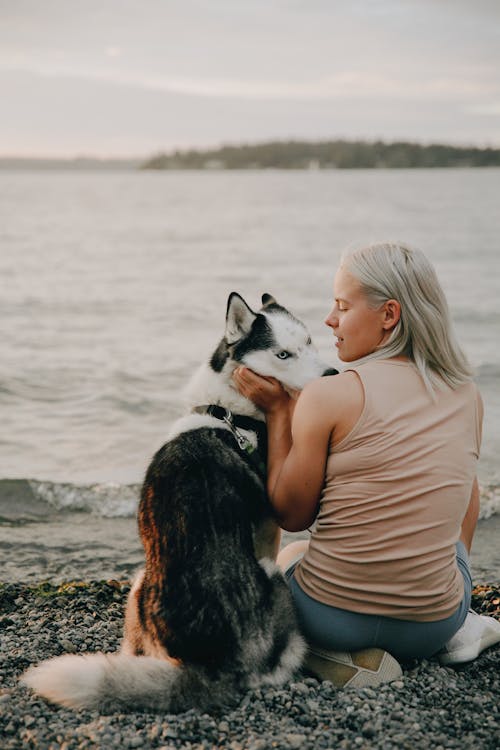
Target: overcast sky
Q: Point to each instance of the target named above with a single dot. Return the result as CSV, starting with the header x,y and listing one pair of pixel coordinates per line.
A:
x,y
133,77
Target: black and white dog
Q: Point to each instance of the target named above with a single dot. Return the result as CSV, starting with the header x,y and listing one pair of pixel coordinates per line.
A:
x,y
210,615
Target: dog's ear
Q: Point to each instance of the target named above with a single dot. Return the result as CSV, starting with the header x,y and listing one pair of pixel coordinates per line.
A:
x,y
239,318
268,299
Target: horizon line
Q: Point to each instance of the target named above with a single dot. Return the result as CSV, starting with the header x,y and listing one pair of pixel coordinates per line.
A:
x,y
99,156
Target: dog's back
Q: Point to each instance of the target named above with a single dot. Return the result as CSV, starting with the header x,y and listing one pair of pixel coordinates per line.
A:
x,y
202,588
222,621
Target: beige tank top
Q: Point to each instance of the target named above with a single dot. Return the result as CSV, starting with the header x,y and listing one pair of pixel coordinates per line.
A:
x,y
395,494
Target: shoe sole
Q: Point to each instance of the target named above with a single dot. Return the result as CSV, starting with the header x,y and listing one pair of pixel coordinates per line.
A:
x,y
471,652
367,668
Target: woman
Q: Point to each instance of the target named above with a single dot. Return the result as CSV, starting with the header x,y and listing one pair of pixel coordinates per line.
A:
x,y
383,459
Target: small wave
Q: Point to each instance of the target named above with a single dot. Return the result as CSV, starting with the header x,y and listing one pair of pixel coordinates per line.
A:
x,y
112,500
489,501
106,499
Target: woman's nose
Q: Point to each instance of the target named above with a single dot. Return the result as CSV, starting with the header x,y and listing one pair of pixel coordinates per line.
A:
x,y
331,319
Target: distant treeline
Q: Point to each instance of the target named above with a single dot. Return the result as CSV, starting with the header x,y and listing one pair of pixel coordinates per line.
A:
x,y
337,154
327,155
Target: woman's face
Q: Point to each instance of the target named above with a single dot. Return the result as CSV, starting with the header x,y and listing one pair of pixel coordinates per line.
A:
x,y
359,329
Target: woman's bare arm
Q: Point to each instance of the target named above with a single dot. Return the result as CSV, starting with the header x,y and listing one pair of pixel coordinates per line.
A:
x,y
297,449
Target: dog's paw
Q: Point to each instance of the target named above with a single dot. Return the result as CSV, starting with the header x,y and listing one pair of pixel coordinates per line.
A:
x,y
269,567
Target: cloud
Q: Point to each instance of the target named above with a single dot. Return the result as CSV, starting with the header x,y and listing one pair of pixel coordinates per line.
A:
x,y
370,68
351,84
66,116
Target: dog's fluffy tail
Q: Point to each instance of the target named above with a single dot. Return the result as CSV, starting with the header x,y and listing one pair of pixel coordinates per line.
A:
x,y
113,682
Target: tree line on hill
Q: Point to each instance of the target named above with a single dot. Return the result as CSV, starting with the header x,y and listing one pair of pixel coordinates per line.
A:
x,y
338,154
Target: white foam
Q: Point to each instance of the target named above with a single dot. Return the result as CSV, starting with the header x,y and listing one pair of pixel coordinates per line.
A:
x,y
489,501
107,499
113,500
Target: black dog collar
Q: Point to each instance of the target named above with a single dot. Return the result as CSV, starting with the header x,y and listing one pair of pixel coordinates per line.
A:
x,y
235,421
238,420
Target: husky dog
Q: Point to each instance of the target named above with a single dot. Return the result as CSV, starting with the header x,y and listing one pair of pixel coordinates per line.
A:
x,y
206,618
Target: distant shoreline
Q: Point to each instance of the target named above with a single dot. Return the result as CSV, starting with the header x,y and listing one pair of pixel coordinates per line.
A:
x,y
281,155
72,168
27,164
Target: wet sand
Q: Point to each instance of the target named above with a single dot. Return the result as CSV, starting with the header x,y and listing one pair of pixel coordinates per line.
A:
x,y
82,546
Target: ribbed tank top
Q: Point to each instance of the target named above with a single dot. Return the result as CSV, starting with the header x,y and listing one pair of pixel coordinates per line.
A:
x,y
396,491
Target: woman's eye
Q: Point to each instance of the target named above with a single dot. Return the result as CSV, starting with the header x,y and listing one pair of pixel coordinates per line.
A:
x,y
283,355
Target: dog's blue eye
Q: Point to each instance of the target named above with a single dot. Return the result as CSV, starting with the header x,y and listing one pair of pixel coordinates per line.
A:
x,y
283,355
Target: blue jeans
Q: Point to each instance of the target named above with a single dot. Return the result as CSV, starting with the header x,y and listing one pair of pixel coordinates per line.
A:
x,y
341,630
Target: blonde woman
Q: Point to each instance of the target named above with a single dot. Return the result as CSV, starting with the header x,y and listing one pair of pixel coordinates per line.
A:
x,y
382,460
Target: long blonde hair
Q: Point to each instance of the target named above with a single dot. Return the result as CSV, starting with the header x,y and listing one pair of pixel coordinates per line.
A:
x,y
424,333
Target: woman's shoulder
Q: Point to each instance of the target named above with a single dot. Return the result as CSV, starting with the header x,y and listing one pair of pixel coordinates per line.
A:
x,y
336,383
469,391
334,401
335,393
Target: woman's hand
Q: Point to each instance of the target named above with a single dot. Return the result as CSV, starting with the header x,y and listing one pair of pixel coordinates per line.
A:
x,y
267,393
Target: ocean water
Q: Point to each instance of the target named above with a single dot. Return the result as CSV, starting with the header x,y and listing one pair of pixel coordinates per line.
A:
x,y
114,288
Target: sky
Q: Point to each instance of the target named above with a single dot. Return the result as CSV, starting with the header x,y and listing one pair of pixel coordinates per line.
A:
x,y
136,77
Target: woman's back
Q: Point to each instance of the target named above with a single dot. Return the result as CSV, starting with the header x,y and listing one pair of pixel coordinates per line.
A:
x,y
396,491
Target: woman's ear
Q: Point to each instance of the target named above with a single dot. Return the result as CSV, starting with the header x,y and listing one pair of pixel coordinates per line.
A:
x,y
392,314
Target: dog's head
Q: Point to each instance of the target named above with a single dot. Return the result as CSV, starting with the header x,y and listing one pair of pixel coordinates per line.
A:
x,y
271,342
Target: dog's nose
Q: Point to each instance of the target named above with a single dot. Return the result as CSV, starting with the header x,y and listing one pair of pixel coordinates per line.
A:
x,y
330,371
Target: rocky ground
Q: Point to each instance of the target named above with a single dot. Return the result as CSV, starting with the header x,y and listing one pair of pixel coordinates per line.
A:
x,y
429,707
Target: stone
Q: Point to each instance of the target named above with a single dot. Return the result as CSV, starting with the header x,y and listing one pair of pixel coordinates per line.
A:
x,y
67,645
295,740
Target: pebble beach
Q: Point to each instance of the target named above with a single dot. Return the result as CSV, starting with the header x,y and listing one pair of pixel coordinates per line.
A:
x,y
430,706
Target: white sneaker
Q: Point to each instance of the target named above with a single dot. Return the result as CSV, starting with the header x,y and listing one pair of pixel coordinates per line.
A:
x,y
477,633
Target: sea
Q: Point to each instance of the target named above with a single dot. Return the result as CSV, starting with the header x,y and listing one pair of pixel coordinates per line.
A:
x,y
114,289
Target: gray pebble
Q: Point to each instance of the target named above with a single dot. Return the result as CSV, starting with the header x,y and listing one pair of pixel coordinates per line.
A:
x,y
300,687
136,742
295,740
69,647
